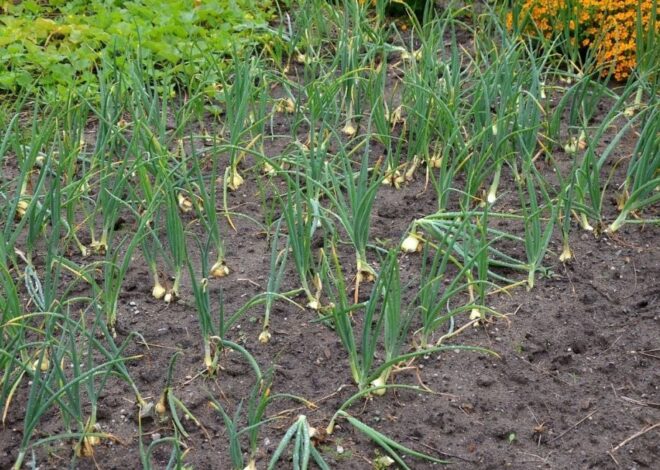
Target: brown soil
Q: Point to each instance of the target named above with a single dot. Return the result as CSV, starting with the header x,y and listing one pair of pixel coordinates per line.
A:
x,y
577,373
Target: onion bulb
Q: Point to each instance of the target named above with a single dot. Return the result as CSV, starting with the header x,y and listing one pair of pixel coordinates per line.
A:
x,y
21,209
158,292
349,129
264,337
99,246
582,141
411,170
185,204
393,178
268,169
383,461
302,59
170,297
235,181
365,272
475,315
570,147
160,408
566,253
396,116
379,382
417,54
285,105
411,244
219,269
43,363
584,223
435,161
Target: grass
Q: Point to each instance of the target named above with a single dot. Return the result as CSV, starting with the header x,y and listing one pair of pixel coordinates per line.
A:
x,y
146,165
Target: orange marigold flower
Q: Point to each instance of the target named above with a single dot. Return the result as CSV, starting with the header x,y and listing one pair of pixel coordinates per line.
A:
x,y
608,26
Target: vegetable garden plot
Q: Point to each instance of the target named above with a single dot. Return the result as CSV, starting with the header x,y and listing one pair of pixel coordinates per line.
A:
x,y
357,247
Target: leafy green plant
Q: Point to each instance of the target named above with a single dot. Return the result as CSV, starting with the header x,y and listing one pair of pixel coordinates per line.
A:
x,y
62,43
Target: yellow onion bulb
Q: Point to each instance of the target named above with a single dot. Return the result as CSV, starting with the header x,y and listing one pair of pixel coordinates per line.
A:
x,y
160,407
219,269
185,204
349,129
235,181
264,337
379,382
158,292
411,244
285,105
475,315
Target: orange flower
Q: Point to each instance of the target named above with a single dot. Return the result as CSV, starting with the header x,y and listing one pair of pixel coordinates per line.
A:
x,y
607,26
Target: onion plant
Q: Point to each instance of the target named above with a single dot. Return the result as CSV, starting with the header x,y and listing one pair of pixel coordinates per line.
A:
x,y
253,413
53,386
150,243
379,117
383,323
348,52
277,269
419,96
396,321
537,237
117,260
237,90
301,222
13,333
582,100
646,55
176,239
38,212
361,358
169,404
643,175
449,152
389,445
303,448
207,326
108,162
353,197
205,185
445,227
435,296
25,209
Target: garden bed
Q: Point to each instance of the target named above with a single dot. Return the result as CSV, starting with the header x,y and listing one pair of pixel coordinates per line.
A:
x,y
562,375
